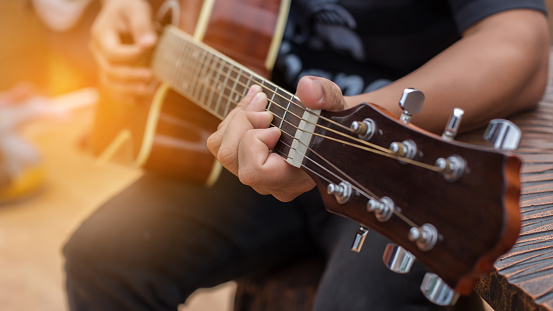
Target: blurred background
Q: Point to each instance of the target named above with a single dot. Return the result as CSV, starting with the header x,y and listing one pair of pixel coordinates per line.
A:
x,y
48,181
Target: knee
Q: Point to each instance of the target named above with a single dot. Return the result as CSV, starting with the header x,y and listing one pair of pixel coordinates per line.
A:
x,y
80,263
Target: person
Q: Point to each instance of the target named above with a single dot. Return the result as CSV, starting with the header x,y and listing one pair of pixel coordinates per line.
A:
x,y
152,245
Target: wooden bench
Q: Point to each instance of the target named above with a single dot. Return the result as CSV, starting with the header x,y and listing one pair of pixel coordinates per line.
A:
x,y
523,278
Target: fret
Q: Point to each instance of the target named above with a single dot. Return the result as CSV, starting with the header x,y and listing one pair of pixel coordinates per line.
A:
x,y
183,78
241,86
295,112
208,78
178,59
235,98
200,79
285,112
222,88
248,84
271,102
228,91
195,72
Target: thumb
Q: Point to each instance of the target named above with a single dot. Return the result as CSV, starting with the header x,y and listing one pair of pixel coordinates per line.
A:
x,y
320,93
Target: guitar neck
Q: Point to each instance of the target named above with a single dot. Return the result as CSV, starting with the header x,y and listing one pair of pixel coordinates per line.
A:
x,y
217,84
210,79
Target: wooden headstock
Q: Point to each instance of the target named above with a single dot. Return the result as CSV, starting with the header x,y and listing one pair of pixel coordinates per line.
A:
x,y
454,206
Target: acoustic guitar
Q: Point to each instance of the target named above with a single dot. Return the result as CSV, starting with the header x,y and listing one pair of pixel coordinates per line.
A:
x,y
451,205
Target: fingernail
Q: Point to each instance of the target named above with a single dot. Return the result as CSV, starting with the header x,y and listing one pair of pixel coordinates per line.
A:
x,y
254,88
257,98
318,90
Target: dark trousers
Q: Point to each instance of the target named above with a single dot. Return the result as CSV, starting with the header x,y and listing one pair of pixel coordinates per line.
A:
x,y
155,243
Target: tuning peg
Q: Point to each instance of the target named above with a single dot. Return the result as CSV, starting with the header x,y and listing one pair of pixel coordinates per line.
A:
x,y
360,236
383,209
398,259
406,148
365,129
452,168
425,236
503,134
411,102
452,126
342,191
437,291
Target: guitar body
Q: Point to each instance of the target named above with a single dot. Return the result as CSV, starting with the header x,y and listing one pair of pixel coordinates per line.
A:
x,y
167,133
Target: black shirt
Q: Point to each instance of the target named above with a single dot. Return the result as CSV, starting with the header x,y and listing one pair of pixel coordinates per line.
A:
x,y
356,42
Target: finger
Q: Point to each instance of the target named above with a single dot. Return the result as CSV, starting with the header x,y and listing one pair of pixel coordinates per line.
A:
x,y
225,143
141,26
215,140
107,43
320,93
254,153
258,103
17,93
229,140
127,74
123,90
268,172
252,92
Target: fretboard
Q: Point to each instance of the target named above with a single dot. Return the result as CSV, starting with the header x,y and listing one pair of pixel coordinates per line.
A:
x,y
217,83
208,78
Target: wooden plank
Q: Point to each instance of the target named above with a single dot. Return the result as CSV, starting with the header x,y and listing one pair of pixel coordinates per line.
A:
x,y
523,279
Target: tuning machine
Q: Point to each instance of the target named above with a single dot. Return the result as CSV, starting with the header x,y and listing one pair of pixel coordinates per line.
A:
x,y
382,208
452,125
359,239
342,191
364,129
437,291
411,102
503,134
398,259
425,236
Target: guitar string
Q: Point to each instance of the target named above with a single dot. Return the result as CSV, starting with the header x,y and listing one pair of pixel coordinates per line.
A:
x,y
232,68
355,184
367,193
370,147
194,44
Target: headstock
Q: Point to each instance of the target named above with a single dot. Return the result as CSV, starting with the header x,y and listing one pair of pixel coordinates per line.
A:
x,y
450,205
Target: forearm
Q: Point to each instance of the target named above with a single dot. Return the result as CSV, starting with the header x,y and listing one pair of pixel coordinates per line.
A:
x,y
497,69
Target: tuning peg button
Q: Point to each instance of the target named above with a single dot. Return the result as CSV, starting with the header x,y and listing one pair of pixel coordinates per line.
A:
x,y
407,149
425,236
451,168
342,192
398,259
503,134
411,102
360,236
452,126
383,209
365,129
437,291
